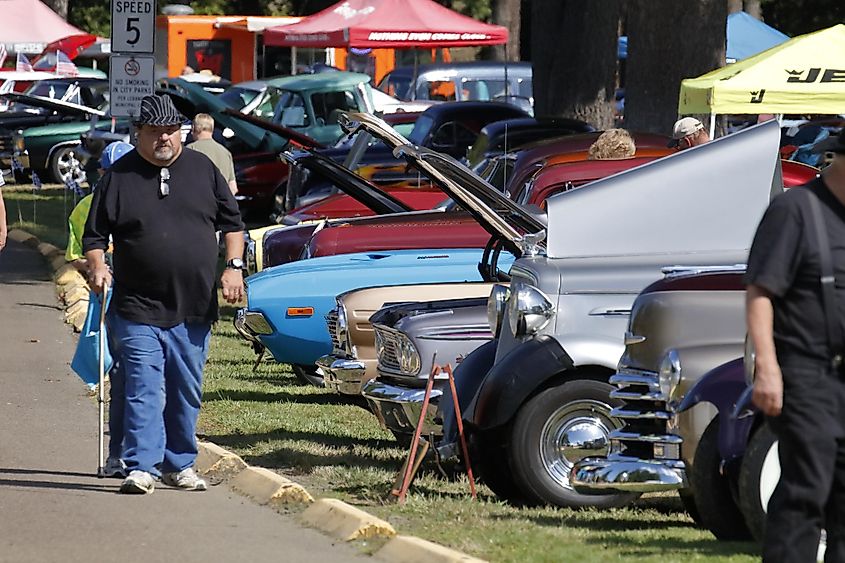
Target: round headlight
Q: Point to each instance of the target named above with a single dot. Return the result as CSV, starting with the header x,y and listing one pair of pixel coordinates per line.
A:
x,y
496,304
669,375
409,359
529,310
748,359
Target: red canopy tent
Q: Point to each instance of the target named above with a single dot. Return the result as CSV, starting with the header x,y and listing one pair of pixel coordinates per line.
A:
x,y
386,24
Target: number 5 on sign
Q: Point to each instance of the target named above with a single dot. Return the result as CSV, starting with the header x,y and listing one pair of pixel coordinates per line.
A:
x,y
133,26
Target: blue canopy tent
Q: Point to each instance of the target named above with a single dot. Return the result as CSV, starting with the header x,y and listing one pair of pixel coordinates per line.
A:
x,y
747,36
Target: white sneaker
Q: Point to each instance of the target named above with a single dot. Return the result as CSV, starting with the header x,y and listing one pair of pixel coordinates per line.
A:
x,y
114,467
186,479
138,483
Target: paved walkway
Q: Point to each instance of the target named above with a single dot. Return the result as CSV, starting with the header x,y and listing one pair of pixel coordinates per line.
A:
x,y
53,508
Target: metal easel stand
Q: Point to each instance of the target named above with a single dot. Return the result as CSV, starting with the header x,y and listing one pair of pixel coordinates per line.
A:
x,y
412,464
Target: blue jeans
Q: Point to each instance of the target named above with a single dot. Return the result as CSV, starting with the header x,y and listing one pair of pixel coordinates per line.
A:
x,y
162,369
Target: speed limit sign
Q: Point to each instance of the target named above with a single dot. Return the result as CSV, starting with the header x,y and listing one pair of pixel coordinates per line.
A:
x,y
133,26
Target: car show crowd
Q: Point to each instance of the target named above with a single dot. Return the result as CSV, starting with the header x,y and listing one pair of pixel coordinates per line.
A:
x,y
586,287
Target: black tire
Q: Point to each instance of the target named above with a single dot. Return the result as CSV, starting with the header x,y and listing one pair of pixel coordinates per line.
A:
x,y
714,497
489,463
539,426
757,459
308,375
60,162
688,500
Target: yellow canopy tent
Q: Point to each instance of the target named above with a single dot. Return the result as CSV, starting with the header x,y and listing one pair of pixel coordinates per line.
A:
x,y
803,75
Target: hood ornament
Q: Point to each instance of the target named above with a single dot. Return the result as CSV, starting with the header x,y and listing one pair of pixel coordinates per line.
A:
x,y
529,244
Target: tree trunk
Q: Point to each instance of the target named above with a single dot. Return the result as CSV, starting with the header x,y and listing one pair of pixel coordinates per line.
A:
x,y
734,6
753,8
667,42
573,48
58,6
507,13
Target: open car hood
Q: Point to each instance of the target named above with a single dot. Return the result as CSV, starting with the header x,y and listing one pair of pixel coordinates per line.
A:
x,y
53,104
349,183
519,230
280,130
191,99
706,199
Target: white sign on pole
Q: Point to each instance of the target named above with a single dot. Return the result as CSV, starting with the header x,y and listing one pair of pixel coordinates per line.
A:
x,y
133,26
130,79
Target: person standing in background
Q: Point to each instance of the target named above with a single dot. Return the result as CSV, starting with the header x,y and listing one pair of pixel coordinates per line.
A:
x,y
202,131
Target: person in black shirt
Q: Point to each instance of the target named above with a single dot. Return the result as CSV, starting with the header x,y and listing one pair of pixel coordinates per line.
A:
x,y
799,385
162,206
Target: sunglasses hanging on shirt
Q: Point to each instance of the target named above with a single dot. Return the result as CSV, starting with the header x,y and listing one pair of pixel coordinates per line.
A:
x,y
164,187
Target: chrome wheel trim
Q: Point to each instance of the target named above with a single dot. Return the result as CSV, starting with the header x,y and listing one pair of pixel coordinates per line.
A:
x,y
572,432
769,475
65,163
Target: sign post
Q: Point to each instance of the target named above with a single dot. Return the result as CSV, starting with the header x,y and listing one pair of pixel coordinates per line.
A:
x,y
131,66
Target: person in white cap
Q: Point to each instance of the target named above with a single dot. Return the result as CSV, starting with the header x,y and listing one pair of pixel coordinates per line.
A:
x,y
688,132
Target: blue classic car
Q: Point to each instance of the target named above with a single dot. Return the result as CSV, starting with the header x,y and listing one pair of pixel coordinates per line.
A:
x,y
287,304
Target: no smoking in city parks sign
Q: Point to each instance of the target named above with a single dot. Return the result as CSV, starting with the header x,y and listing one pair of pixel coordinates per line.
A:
x,y
130,79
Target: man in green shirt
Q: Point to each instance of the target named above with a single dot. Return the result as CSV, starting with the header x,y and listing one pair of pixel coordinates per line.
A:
x,y
202,130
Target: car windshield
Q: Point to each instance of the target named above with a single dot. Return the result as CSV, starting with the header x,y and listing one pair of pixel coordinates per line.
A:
x,y
421,129
396,86
55,90
237,97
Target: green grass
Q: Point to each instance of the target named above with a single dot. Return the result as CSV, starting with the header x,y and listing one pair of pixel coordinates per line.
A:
x,y
337,449
42,213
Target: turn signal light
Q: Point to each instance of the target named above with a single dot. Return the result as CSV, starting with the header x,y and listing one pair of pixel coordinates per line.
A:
x,y
300,311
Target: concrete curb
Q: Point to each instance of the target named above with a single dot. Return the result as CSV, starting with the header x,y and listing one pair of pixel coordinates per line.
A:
x,y
410,549
332,516
266,487
344,521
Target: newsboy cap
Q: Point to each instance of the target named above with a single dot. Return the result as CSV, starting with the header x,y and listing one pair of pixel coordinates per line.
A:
x,y
158,110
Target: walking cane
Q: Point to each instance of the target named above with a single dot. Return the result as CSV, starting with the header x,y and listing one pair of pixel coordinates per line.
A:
x,y
101,472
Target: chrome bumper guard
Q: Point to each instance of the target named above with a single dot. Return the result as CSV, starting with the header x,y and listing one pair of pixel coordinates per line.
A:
x,y
342,375
398,408
599,475
240,326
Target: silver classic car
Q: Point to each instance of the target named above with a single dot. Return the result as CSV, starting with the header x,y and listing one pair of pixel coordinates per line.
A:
x,y
410,339
540,401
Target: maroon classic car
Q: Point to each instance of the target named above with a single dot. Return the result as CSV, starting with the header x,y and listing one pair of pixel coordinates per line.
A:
x,y
445,228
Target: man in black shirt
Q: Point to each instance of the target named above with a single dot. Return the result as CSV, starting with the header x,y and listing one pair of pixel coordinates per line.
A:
x,y
161,206
798,384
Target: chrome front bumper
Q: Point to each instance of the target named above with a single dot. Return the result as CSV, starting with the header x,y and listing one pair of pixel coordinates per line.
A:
x,y
601,475
398,408
240,326
342,375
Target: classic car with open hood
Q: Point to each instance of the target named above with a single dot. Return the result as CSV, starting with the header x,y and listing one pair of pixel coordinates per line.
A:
x,y
48,141
287,304
565,312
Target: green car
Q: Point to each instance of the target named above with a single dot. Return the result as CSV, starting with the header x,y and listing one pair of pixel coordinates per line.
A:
x,y
48,140
311,103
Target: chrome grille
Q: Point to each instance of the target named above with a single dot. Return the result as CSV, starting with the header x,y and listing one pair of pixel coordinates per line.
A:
x,y
645,414
331,324
389,357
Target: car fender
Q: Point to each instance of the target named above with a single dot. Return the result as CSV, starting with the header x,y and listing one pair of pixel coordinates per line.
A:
x,y
469,376
725,388
513,379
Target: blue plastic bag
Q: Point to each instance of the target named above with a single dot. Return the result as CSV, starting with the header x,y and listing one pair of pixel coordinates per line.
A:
x,y
86,359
